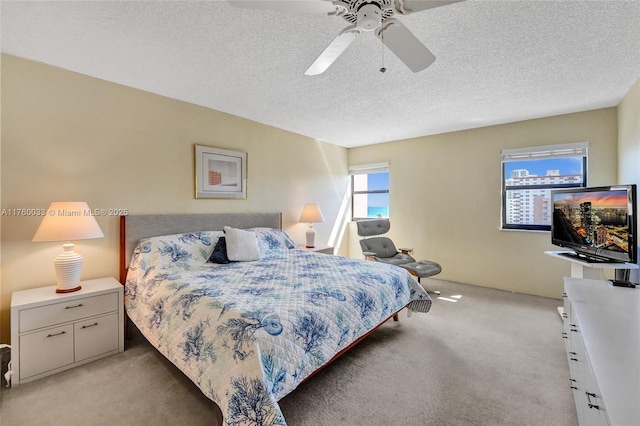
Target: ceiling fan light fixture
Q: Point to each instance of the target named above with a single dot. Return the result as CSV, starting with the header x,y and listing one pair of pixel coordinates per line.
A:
x,y
363,15
369,16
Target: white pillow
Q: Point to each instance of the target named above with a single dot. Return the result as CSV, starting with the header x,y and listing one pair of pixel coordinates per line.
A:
x,y
242,245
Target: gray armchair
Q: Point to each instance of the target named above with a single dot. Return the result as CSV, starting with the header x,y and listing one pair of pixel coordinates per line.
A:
x,y
382,249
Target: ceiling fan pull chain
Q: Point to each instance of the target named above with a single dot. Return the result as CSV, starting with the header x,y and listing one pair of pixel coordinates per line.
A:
x,y
382,68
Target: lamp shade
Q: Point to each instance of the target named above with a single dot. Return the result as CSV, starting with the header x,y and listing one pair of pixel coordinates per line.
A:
x,y
311,214
68,221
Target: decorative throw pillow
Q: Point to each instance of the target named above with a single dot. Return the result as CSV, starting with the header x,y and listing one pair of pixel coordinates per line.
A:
x,y
242,246
273,242
219,254
178,250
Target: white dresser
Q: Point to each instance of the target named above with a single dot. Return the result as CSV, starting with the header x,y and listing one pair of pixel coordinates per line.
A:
x,y
602,332
52,332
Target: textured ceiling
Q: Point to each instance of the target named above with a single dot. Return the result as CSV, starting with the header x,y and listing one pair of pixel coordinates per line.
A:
x,y
497,61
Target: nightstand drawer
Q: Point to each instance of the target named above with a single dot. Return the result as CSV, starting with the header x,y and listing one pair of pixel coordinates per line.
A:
x,y
46,350
44,316
96,336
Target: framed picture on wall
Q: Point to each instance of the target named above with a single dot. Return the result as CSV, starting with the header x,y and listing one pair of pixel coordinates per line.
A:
x,y
220,173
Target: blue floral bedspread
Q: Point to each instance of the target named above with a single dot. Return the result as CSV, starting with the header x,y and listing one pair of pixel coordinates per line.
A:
x,y
248,333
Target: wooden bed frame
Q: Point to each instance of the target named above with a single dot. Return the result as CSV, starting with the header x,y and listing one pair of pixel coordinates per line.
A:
x,y
135,227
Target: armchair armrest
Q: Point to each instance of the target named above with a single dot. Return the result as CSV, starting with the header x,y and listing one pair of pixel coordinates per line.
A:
x,y
405,250
369,255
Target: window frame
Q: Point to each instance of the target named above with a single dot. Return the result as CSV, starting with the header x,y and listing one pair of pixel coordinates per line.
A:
x,y
569,150
367,169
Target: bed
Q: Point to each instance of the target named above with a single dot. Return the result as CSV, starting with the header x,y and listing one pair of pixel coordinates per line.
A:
x,y
249,331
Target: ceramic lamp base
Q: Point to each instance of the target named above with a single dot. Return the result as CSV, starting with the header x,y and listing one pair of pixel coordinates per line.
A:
x,y
311,237
68,265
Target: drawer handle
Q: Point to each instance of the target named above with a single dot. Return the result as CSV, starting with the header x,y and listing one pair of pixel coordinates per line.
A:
x,y
589,404
75,306
57,334
571,382
572,356
90,325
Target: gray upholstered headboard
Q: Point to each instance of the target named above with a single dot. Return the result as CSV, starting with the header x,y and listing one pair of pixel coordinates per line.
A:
x,y
135,227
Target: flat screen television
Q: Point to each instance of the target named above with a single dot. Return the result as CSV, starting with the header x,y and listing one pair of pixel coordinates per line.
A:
x,y
599,223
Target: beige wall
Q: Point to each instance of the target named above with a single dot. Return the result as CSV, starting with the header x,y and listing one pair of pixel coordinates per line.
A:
x,y
3,297
629,143
445,198
66,136
629,136
70,137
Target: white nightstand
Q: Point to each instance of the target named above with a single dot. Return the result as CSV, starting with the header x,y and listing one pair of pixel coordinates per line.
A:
x,y
52,332
318,249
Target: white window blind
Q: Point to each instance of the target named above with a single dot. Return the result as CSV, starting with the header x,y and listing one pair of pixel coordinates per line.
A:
x,y
365,169
574,149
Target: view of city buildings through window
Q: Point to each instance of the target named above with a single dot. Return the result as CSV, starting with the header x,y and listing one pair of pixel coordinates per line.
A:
x,y
528,185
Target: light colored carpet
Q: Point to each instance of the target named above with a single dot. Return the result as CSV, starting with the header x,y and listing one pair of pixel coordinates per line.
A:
x,y
491,358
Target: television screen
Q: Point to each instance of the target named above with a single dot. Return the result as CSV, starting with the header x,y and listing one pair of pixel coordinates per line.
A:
x,y
599,224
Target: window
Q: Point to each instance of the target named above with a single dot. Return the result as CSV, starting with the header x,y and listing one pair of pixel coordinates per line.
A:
x,y
370,191
529,175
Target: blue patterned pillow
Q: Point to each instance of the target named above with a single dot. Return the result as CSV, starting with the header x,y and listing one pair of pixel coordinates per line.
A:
x,y
178,250
219,254
273,241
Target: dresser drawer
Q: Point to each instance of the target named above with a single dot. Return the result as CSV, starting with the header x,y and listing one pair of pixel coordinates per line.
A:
x,y
46,350
44,316
96,336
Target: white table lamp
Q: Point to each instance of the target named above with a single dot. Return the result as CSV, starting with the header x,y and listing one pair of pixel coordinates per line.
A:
x,y
68,221
311,214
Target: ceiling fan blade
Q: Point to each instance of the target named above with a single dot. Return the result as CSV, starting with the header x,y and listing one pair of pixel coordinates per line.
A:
x,y
405,45
311,6
405,7
335,49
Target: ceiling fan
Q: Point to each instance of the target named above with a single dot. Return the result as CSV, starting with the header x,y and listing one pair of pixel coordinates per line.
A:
x,y
363,15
